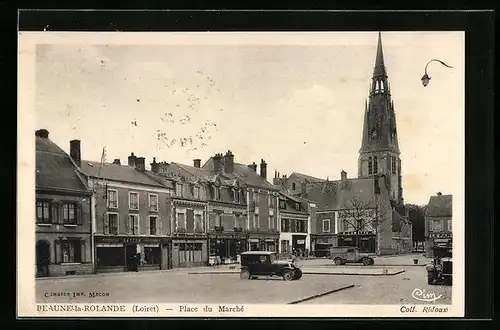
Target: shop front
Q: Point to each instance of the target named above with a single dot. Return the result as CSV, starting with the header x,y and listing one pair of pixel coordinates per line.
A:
x,y
321,244
118,254
438,240
227,246
364,240
189,250
263,242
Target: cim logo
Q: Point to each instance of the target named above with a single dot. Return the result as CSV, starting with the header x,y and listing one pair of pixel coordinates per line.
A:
x,y
422,295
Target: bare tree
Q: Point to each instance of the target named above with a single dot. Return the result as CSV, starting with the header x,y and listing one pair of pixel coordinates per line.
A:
x,y
362,215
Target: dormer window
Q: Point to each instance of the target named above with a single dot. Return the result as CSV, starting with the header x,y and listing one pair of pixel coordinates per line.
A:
x,y
178,189
196,192
216,192
297,206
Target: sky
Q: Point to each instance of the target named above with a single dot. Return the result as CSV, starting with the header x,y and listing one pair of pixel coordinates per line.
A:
x,y
295,100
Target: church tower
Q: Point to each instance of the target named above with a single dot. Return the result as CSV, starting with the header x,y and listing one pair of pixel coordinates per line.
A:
x,y
379,152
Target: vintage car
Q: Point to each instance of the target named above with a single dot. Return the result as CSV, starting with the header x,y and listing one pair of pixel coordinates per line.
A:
x,y
440,270
265,263
348,254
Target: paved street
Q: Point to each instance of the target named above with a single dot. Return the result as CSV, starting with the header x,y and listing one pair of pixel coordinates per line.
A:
x,y
180,286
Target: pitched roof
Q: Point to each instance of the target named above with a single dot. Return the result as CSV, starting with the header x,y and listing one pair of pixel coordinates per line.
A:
x,y
440,206
245,174
306,177
115,172
195,172
54,168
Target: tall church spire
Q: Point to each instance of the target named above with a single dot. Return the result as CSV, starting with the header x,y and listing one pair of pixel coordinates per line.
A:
x,y
379,152
379,69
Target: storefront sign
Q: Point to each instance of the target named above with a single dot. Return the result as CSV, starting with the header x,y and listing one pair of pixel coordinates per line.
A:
x,y
440,235
109,245
270,240
253,240
301,241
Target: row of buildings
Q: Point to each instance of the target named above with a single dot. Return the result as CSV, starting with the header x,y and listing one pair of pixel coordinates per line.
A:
x,y
97,216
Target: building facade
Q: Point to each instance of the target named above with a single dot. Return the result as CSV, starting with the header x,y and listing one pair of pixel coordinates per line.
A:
x,y
295,225
132,228
260,225
63,212
189,213
438,223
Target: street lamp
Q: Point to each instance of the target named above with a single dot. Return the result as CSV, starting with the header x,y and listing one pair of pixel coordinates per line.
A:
x,y
425,78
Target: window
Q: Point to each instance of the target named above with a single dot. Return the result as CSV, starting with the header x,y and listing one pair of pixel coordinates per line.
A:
x,y
326,225
375,165
71,251
293,186
178,189
346,225
69,213
152,255
236,197
284,246
133,201
297,206
216,193
271,201
285,225
113,198
153,202
449,225
393,165
181,221
282,204
111,225
271,221
133,224
257,221
237,219
256,197
152,225
43,212
243,196
196,192
301,226
198,223
370,165
436,225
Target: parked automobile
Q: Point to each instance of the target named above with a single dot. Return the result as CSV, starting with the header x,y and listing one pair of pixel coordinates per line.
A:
x,y
348,254
265,263
440,270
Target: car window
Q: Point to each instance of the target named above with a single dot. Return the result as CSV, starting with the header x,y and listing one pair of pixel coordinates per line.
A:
x,y
350,250
263,259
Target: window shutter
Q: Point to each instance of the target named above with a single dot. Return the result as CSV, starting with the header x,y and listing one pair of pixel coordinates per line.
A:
x,y
56,217
82,251
158,223
136,225
105,221
79,220
148,226
57,251
128,227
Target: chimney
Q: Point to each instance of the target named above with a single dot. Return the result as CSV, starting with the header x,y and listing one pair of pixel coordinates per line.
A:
x,y
154,165
343,176
253,166
439,193
131,159
217,163
263,169
74,152
43,133
197,163
140,163
229,162
117,161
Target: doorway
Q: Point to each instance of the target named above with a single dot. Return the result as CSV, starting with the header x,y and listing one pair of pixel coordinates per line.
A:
x,y
130,257
42,258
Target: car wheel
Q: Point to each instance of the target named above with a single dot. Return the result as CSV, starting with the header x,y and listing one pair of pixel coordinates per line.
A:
x,y
298,274
366,261
372,261
288,275
338,261
244,274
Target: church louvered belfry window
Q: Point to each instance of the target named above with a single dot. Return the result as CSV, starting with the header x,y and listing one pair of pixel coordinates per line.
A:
x,y
375,165
370,165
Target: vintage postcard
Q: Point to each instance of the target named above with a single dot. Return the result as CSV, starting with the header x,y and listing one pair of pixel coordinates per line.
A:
x,y
282,174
